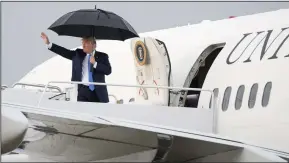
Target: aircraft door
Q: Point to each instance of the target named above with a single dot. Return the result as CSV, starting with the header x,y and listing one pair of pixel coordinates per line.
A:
x,y
153,67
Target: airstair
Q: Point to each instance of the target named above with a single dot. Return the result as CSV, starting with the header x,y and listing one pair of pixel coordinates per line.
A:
x,y
53,107
200,119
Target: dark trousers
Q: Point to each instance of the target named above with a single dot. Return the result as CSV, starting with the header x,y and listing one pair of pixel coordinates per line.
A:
x,y
86,95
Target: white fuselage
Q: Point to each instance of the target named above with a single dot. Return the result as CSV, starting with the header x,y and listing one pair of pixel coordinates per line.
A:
x,y
262,126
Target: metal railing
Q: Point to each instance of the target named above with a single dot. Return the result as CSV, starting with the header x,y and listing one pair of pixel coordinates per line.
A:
x,y
113,97
3,87
39,86
136,86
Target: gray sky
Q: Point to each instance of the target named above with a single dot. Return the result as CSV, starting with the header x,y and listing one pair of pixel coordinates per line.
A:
x,y
22,23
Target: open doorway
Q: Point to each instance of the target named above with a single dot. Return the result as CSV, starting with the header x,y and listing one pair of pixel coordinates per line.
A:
x,y
201,68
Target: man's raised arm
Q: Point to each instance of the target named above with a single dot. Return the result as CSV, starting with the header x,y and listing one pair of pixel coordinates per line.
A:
x,y
66,53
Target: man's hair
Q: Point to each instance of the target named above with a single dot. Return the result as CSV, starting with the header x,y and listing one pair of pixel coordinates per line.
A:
x,y
91,39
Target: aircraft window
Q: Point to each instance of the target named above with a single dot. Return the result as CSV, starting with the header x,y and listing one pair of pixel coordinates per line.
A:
x,y
216,92
266,94
253,95
226,98
239,97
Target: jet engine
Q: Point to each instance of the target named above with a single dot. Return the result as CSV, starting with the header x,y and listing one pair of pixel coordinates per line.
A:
x,y
14,127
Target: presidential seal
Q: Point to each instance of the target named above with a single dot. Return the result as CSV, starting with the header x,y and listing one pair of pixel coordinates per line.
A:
x,y
140,53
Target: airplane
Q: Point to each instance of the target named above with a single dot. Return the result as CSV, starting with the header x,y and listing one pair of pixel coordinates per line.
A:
x,y
217,88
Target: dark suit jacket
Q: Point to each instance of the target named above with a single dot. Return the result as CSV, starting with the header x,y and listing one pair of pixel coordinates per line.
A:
x,y
77,56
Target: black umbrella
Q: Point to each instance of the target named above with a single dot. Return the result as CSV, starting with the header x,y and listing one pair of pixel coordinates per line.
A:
x,y
103,25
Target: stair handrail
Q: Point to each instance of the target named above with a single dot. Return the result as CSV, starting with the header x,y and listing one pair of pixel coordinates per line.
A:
x,y
38,85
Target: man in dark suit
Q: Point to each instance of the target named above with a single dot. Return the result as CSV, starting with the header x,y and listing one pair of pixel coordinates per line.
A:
x,y
81,65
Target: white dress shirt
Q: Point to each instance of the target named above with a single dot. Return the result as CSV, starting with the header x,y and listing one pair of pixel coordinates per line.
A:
x,y
85,72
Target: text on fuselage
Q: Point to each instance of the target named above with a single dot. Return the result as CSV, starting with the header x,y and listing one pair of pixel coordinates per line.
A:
x,y
269,43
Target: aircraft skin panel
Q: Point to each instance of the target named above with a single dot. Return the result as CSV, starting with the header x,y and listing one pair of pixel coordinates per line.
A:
x,y
22,158
73,127
241,155
63,147
201,144
136,137
255,61
135,157
142,156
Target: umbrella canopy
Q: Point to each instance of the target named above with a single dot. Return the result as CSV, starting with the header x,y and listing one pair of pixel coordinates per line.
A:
x,y
101,24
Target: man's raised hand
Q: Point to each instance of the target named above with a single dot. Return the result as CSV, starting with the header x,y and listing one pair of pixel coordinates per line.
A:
x,y
45,38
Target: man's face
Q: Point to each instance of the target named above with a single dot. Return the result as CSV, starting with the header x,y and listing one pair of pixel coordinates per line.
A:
x,y
88,45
